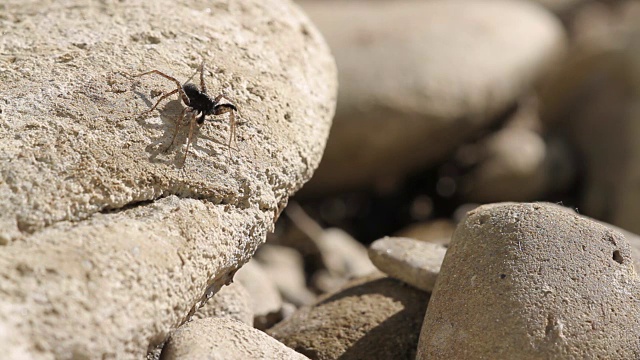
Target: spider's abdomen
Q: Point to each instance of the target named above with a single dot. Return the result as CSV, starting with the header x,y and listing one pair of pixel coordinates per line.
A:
x,y
198,100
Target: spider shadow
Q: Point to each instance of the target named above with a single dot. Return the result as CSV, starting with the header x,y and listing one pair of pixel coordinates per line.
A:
x,y
161,147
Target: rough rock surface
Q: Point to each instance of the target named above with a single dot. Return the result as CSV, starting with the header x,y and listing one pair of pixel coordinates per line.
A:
x,y
368,319
110,242
415,262
532,281
224,339
417,78
232,301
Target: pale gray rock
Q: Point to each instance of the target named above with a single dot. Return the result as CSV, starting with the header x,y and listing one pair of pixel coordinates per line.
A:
x,y
285,267
344,255
632,238
232,301
415,262
418,78
265,299
532,281
517,164
370,318
224,339
594,99
435,231
344,258
110,243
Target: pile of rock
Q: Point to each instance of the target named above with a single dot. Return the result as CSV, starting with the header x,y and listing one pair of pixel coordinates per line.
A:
x,y
113,247
519,281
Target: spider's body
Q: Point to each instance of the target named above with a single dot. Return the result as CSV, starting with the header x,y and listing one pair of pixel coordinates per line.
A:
x,y
203,104
200,102
198,105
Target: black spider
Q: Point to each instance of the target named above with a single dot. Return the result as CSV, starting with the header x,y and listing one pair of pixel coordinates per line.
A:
x,y
198,105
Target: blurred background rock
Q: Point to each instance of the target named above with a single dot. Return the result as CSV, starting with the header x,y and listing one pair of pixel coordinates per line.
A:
x,y
447,105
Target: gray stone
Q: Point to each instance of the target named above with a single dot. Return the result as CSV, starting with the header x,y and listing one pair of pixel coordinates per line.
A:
x,y
343,257
265,299
533,281
232,301
224,339
110,242
415,262
285,267
435,231
418,78
594,100
517,164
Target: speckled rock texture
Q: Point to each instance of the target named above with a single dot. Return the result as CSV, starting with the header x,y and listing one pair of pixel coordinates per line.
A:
x,y
532,281
415,262
370,318
110,243
224,339
418,78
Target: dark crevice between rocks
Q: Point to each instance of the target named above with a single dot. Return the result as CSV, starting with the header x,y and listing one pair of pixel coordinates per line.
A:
x,y
239,202
128,206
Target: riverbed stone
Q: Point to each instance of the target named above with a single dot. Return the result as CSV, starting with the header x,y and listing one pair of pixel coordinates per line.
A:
x,y
415,262
232,301
224,339
531,281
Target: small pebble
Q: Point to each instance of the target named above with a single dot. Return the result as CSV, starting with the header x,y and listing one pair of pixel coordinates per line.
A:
x,y
415,262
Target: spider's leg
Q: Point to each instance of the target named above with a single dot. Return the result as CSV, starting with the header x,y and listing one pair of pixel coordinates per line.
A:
x,y
224,105
185,99
192,75
178,123
232,129
222,101
161,98
203,86
192,121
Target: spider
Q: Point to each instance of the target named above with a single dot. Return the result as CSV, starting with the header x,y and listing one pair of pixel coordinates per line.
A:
x,y
198,105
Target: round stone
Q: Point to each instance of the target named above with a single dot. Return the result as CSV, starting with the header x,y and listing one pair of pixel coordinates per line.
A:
x,y
531,281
